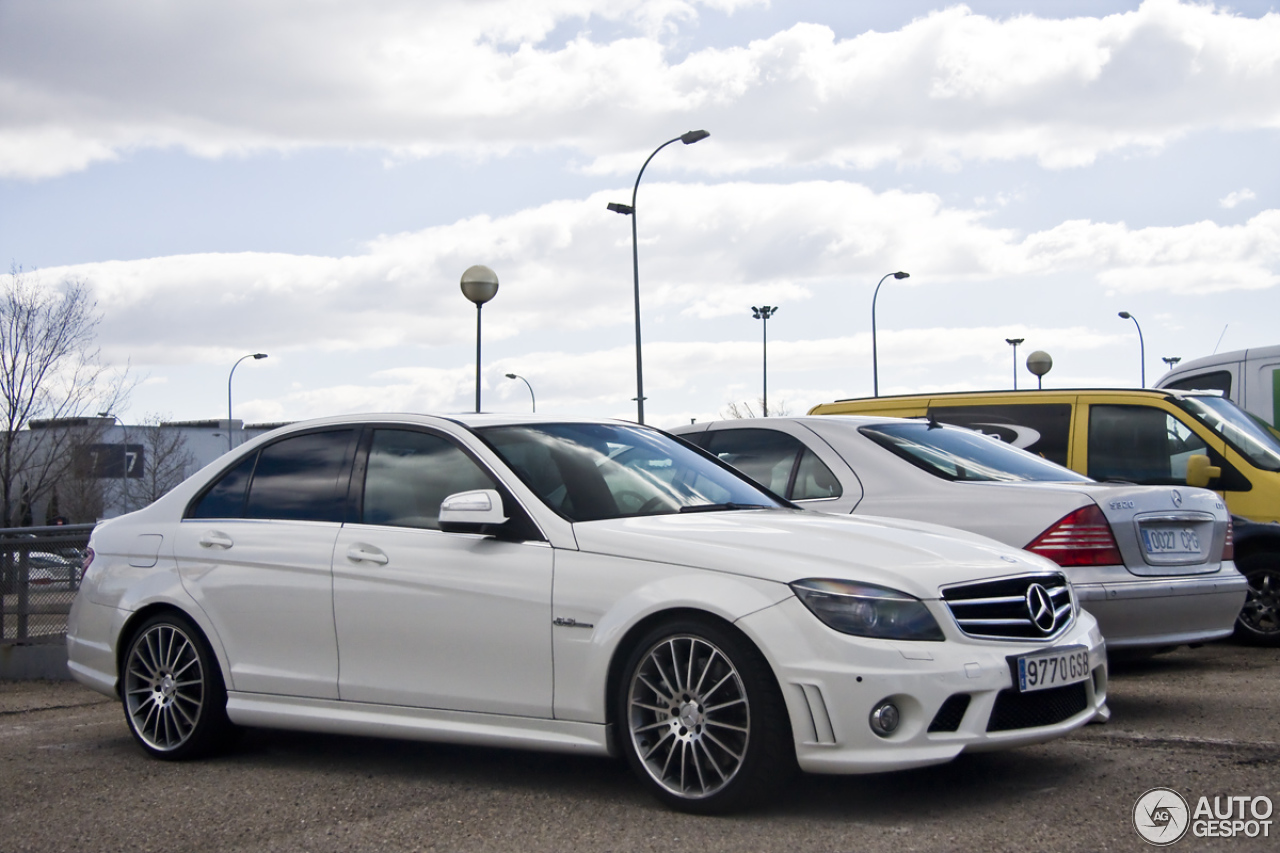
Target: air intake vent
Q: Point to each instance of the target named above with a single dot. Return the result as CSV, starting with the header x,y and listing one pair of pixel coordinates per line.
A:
x,y
1030,607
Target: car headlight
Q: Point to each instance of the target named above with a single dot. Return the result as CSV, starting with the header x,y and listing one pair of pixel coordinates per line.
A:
x,y
865,610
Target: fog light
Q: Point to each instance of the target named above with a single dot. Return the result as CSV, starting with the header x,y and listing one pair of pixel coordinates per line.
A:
x,y
885,718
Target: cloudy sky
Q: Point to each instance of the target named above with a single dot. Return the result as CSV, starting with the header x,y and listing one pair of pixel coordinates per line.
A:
x,y
311,179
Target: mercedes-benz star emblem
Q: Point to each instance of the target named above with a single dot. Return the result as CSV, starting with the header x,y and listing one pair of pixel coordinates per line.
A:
x,y
1040,606
1177,497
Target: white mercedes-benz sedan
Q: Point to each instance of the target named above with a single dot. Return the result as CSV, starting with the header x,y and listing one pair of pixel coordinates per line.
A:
x,y
571,585
1153,564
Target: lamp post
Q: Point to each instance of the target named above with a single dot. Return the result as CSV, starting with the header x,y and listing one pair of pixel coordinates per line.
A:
x,y
687,138
256,356
479,284
526,382
1013,342
875,366
1039,363
1171,360
1142,348
764,312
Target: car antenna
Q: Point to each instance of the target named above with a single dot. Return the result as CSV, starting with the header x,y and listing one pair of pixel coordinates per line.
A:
x,y
933,421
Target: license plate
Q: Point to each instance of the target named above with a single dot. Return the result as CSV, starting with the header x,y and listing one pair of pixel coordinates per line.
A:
x,y
1171,541
1056,668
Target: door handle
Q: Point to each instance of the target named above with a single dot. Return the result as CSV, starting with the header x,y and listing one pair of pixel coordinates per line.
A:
x,y
367,554
215,539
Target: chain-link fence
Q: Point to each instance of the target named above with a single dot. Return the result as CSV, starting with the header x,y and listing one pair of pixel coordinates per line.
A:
x,y
39,576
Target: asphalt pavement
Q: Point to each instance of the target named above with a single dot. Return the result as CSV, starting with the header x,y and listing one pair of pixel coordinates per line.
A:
x,y
1204,722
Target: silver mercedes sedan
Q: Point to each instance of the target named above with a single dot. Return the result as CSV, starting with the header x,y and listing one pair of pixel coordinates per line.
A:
x,y
1151,563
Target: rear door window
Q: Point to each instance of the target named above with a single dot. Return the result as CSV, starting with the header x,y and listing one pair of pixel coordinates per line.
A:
x,y
779,462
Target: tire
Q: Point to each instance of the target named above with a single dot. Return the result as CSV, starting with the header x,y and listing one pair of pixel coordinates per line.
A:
x,y
172,690
1259,620
701,719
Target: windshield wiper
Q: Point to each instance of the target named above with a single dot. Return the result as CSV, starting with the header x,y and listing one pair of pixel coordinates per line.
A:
x,y
723,507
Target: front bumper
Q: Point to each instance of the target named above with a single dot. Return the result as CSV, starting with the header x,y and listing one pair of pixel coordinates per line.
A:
x,y
1152,612
832,681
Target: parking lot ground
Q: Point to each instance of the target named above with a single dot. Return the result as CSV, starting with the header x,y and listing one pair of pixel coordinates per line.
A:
x,y
1205,722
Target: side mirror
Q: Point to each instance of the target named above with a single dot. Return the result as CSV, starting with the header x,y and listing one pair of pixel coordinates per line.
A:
x,y
479,511
1200,472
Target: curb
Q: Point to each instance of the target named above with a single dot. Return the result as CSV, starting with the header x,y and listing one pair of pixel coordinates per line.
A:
x,y
32,661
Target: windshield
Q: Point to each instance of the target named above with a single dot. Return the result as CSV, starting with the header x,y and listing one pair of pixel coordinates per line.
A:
x,y
1260,446
954,453
587,472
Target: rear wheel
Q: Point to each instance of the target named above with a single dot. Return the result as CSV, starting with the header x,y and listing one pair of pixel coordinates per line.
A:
x,y
705,726
174,698
1259,620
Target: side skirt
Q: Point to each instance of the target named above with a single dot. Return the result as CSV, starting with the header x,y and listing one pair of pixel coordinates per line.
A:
x,y
428,724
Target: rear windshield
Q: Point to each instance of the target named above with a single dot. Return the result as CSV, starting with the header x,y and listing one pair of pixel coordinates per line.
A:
x,y
960,454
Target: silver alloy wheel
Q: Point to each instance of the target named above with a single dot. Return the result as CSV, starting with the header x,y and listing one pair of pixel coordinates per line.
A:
x,y
164,687
688,716
1261,611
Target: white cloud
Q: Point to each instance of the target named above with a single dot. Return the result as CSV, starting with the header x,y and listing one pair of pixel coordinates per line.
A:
x,y
706,252
479,78
1234,198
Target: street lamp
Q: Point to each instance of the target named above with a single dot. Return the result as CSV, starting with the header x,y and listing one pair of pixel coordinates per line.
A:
x,y
1171,360
1013,342
1039,363
764,312
687,138
479,284
526,382
875,367
1142,348
256,357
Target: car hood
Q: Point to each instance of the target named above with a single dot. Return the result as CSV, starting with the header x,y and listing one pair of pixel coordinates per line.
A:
x,y
788,545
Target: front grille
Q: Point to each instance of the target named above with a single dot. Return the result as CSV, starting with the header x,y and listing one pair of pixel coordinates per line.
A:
x,y
1005,609
951,714
1014,710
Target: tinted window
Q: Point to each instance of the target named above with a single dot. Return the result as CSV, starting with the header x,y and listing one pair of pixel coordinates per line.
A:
x,y
1218,380
594,471
302,478
225,498
777,461
410,473
1140,444
1043,429
961,454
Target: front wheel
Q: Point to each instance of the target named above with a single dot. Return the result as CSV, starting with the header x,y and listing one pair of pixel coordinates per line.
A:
x,y
1259,620
173,694
706,728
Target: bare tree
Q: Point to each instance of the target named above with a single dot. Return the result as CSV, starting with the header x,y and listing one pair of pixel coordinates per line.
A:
x,y
745,410
50,370
166,461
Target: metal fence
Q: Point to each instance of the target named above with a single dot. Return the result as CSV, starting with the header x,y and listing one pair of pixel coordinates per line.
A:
x,y
39,576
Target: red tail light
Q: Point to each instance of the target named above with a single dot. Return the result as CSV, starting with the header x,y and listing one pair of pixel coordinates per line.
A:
x,y
1080,538
1229,546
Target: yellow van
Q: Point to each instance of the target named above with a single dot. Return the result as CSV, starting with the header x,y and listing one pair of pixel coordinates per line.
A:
x,y
1151,437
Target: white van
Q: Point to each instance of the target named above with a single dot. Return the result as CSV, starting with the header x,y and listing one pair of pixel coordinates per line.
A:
x,y
1249,377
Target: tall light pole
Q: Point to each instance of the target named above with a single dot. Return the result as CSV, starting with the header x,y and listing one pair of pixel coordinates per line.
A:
x,y
1142,348
256,356
532,401
687,138
875,365
479,284
1013,342
764,312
